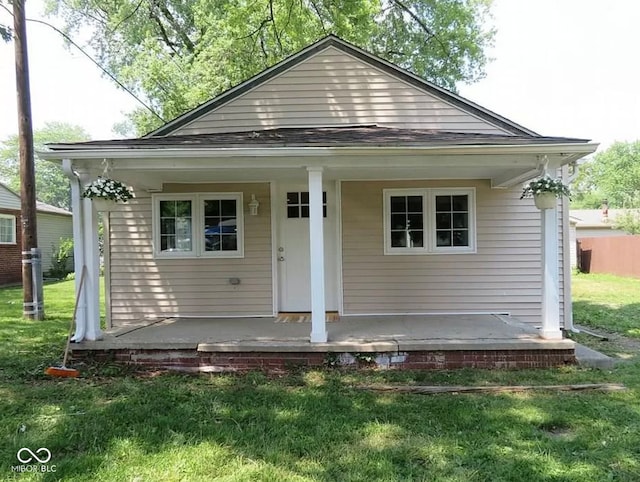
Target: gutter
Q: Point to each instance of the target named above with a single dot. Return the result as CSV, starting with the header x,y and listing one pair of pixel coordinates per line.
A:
x,y
101,153
78,246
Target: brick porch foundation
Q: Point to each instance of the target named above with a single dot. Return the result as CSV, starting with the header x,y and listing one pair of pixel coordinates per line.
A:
x,y
193,360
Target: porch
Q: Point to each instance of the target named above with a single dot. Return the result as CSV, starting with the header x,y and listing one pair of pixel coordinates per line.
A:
x,y
399,341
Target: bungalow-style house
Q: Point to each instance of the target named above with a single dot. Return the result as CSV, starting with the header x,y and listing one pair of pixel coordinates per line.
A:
x,y
333,182
53,224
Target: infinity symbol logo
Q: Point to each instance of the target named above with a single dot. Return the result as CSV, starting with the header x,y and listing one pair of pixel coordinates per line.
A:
x,y
42,452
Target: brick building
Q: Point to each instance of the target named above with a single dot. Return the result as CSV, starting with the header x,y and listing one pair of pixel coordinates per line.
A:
x,y
53,224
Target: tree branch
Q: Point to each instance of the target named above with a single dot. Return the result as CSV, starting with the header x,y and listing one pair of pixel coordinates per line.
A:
x,y
275,27
164,35
188,43
315,7
422,25
113,30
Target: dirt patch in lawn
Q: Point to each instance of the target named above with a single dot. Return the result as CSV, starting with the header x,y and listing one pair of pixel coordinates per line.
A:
x,y
612,344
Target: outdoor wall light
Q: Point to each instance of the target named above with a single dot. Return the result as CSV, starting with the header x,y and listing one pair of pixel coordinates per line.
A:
x,y
253,206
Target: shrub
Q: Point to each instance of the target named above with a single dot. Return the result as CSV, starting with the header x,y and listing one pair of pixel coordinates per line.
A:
x,y
61,259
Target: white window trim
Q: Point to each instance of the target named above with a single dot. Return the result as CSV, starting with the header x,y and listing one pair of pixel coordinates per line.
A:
x,y
428,205
197,229
12,218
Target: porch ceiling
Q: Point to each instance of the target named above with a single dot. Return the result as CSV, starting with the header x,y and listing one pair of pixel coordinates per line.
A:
x,y
503,167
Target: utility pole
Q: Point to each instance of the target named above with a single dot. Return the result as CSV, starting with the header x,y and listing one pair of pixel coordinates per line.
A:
x,y
30,284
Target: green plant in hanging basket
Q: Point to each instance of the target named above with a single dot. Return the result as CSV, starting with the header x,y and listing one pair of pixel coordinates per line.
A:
x,y
543,185
105,188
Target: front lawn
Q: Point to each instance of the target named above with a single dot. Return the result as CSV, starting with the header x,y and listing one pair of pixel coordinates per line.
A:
x,y
116,425
607,302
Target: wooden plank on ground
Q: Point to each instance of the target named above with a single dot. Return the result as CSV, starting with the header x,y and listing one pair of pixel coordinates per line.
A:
x,y
429,390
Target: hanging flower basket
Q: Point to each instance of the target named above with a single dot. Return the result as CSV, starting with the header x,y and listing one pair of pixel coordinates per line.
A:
x,y
545,191
545,200
105,193
103,205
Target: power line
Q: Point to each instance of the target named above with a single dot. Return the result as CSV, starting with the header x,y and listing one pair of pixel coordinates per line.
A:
x,y
95,62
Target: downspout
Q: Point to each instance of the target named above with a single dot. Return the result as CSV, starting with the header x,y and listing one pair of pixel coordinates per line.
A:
x,y
78,246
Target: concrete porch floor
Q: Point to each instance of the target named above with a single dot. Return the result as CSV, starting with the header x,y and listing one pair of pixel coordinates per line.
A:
x,y
350,334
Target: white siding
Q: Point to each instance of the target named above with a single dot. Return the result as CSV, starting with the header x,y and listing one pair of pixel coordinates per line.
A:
x,y
143,287
332,88
503,276
8,200
52,228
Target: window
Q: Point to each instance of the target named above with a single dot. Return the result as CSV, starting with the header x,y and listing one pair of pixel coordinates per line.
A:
x,y
452,220
298,204
176,222
221,225
429,221
407,221
7,229
198,225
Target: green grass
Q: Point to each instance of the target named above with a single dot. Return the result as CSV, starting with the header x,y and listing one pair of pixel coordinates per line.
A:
x,y
607,302
116,425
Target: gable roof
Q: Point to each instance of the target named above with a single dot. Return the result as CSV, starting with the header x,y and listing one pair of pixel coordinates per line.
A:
x,y
320,137
348,48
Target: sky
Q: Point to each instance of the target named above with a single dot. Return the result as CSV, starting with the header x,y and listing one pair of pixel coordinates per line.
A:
x,y
560,67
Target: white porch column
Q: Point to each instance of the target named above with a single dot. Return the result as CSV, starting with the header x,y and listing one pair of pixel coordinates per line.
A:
x,y
550,275
78,247
92,276
316,246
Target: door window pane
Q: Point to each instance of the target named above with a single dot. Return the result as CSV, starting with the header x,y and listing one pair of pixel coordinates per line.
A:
x,y
176,226
298,204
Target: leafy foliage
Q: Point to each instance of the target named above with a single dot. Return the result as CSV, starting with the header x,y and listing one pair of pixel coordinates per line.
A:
x,y
613,175
52,186
61,259
6,33
105,188
629,221
545,184
180,53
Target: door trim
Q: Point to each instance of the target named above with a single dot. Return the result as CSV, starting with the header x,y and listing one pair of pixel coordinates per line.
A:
x,y
273,193
338,201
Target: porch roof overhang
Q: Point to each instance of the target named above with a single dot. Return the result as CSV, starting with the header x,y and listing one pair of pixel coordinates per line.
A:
x,y
345,153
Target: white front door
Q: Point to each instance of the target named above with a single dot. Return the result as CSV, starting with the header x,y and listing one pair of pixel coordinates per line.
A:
x,y
293,247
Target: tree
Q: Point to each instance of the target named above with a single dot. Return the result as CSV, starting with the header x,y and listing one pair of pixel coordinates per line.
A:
x,y
180,53
613,175
629,222
52,186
